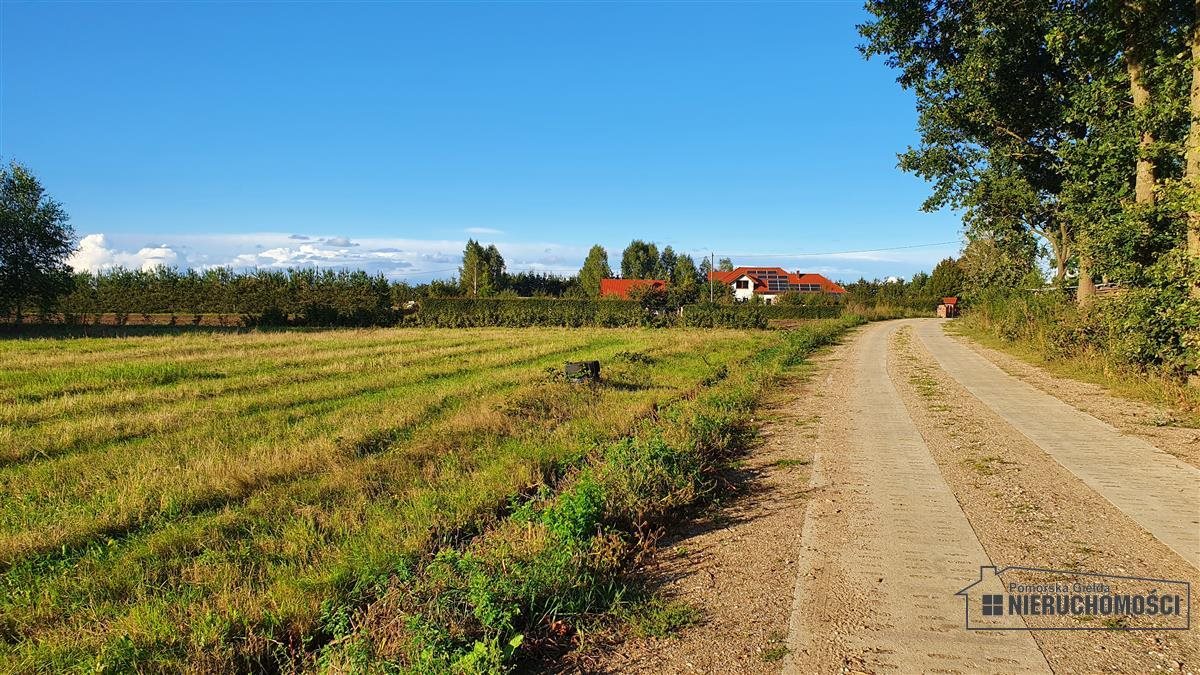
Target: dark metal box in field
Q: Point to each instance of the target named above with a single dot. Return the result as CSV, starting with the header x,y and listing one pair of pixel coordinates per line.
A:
x,y
580,371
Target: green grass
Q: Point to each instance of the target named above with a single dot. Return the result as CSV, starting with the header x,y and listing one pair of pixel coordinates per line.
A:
x,y
557,570
789,463
776,647
231,501
193,499
660,618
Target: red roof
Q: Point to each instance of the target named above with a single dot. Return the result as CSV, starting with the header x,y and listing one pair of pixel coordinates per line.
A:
x,y
620,287
760,275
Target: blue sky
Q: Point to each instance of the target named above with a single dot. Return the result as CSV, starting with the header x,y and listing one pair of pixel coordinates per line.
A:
x,y
382,135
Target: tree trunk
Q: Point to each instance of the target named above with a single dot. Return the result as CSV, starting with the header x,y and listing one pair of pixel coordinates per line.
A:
x,y
1087,288
1143,187
1191,174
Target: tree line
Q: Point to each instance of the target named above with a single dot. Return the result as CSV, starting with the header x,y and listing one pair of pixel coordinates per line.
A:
x,y
483,273
35,280
1069,132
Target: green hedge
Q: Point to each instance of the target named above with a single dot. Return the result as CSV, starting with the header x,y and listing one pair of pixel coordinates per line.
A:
x,y
724,316
515,312
802,311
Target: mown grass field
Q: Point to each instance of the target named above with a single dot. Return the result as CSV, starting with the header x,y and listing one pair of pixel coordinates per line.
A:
x,y
194,501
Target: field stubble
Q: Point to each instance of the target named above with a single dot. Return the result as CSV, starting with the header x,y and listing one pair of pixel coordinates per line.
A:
x,y
195,498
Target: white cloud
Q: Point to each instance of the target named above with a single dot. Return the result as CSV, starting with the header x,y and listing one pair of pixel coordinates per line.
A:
x,y
94,254
483,230
424,259
412,259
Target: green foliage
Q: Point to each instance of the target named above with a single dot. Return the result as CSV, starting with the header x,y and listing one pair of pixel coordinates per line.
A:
x,y
990,262
651,296
646,478
482,273
990,97
595,268
947,280
896,297
640,260
659,618
35,241
304,297
1062,125
650,310
466,312
687,285
1153,328
577,511
666,264
733,316
540,285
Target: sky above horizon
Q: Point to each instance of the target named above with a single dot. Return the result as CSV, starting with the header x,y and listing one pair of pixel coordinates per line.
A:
x,y
381,136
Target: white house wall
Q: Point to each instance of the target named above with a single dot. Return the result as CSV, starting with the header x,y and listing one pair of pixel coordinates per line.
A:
x,y
743,293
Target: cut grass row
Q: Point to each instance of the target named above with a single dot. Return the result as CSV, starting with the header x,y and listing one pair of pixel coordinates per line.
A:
x,y
212,541
98,420
545,578
168,475
112,485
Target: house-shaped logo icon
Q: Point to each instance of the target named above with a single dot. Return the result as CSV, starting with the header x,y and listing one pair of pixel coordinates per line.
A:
x,y
984,602
1032,598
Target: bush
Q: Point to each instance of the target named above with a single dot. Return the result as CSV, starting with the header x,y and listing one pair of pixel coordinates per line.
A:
x,y
520,312
1142,328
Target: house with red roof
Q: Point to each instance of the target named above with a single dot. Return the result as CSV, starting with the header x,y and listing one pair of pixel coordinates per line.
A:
x,y
620,288
769,283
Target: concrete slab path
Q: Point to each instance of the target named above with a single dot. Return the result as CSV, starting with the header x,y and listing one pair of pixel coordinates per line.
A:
x,y
894,542
1156,490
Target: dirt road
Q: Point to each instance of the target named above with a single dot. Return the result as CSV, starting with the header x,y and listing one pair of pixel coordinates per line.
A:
x,y
943,463
885,545
1158,491
915,462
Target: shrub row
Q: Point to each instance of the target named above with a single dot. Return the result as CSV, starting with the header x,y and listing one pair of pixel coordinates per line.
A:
x,y
303,297
560,562
513,312
518,312
801,311
329,298
1139,328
